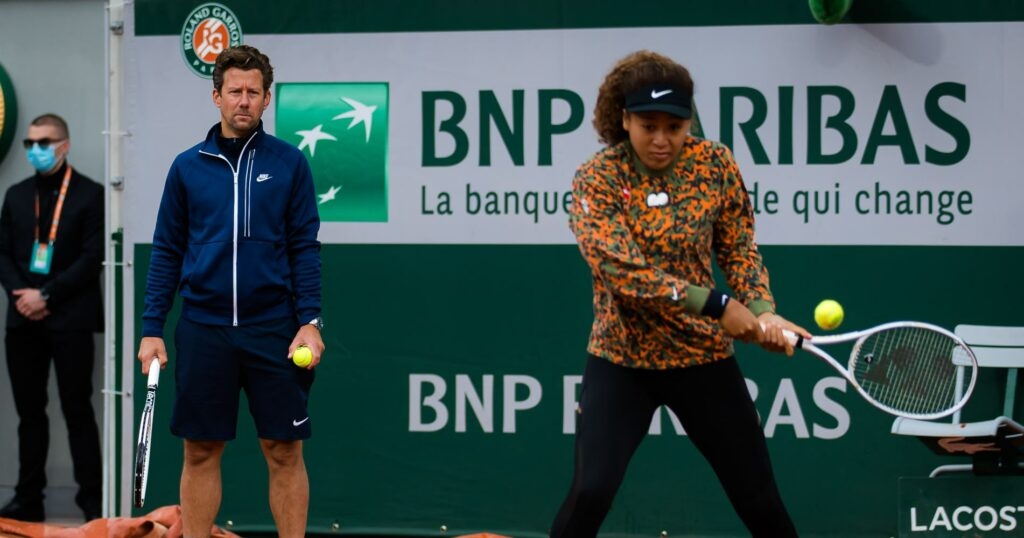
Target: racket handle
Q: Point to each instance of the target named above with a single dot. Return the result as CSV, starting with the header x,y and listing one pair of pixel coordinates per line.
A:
x,y
795,339
154,373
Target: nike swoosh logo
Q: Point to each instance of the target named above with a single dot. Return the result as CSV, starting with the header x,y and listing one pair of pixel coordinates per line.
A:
x,y
655,95
263,177
299,422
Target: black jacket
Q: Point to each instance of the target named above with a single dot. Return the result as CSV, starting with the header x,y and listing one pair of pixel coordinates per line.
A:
x,y
73,284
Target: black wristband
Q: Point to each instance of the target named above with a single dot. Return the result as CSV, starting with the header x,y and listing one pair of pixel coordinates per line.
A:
x,y
715,305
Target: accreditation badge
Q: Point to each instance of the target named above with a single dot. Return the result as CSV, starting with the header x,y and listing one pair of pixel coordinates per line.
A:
x,y
42,255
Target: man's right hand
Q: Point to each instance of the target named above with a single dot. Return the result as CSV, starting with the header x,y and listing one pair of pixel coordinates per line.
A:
x,y
149,348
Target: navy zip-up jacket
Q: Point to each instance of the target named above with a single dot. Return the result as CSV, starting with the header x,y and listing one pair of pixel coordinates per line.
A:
x,y
238,240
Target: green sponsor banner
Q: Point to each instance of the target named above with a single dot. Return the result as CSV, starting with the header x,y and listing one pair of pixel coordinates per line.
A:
x,y
447,391
161,17
342,128
961,507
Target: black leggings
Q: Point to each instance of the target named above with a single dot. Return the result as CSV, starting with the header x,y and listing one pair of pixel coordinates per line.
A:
x,y
714,407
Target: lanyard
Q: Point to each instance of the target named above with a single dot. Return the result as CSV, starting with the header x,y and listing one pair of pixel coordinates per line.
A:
x,y
56,210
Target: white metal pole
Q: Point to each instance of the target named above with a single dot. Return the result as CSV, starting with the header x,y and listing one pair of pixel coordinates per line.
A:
x,y
113,397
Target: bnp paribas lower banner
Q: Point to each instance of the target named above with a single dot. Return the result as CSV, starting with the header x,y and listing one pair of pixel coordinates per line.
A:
x,y
878,154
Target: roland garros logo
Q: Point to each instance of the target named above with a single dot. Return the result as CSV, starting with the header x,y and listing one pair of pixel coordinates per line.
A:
x,y
208,30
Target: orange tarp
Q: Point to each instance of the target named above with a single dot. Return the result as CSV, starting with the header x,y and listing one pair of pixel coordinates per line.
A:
x,y
164,522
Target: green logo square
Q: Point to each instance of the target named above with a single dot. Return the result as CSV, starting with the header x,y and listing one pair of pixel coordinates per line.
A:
x,y
342,128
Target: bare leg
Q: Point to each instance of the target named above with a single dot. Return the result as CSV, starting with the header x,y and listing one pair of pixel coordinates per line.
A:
x,y
200,487
289,486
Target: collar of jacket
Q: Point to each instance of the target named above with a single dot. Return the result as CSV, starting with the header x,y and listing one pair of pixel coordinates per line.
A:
x,y
50,182
210,144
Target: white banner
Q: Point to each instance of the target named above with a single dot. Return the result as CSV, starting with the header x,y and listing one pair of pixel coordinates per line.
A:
x,y
846,135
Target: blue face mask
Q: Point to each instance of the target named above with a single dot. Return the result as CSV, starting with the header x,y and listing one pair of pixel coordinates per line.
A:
x,y
42,159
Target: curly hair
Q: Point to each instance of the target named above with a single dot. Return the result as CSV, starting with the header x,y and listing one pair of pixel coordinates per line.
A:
x,y
243,57
639,69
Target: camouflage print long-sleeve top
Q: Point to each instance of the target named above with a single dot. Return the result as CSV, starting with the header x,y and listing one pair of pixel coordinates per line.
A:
x,y
649,240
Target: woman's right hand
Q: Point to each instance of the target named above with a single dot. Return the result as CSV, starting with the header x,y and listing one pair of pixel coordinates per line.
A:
x,y
740,323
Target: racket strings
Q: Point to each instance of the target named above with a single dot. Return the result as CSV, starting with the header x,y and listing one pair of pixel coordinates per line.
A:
x,y
909,369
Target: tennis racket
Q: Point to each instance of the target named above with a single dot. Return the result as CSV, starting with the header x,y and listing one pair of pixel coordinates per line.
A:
x,y
905,368
142,450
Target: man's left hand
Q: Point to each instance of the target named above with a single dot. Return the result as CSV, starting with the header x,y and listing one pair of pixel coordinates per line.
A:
x,y
308,336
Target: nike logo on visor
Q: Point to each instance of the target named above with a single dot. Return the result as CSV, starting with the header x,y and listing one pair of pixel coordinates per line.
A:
x,y
299,422
657,94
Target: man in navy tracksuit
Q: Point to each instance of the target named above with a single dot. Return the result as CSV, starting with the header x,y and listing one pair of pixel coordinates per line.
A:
x,y
236,236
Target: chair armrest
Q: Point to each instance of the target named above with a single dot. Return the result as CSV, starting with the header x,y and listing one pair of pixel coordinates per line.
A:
x,y
923,428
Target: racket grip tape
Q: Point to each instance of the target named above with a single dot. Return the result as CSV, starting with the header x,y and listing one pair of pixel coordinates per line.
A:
x,y
154,373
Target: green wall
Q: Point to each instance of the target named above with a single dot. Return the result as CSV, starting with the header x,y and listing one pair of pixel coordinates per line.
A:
x,y
522,313
393,310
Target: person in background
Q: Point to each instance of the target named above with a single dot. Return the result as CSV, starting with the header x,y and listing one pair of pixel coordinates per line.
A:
x,y
236,236
652,212
51,257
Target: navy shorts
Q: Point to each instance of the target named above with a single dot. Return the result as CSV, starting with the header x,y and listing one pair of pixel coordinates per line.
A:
x,y
214,363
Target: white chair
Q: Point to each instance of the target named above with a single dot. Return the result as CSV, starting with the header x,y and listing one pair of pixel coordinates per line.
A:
x,y
995,446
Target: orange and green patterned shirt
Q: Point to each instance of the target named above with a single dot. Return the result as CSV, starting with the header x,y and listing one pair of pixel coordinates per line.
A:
x,y
649,239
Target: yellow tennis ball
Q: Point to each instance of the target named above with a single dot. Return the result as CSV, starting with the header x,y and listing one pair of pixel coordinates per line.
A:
x,y
302,356
828,314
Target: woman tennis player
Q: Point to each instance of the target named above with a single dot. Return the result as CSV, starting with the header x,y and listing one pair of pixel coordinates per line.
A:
x,y
651,212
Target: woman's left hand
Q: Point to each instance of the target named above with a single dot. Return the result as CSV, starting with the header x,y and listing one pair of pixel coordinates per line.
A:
x,y
774,340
